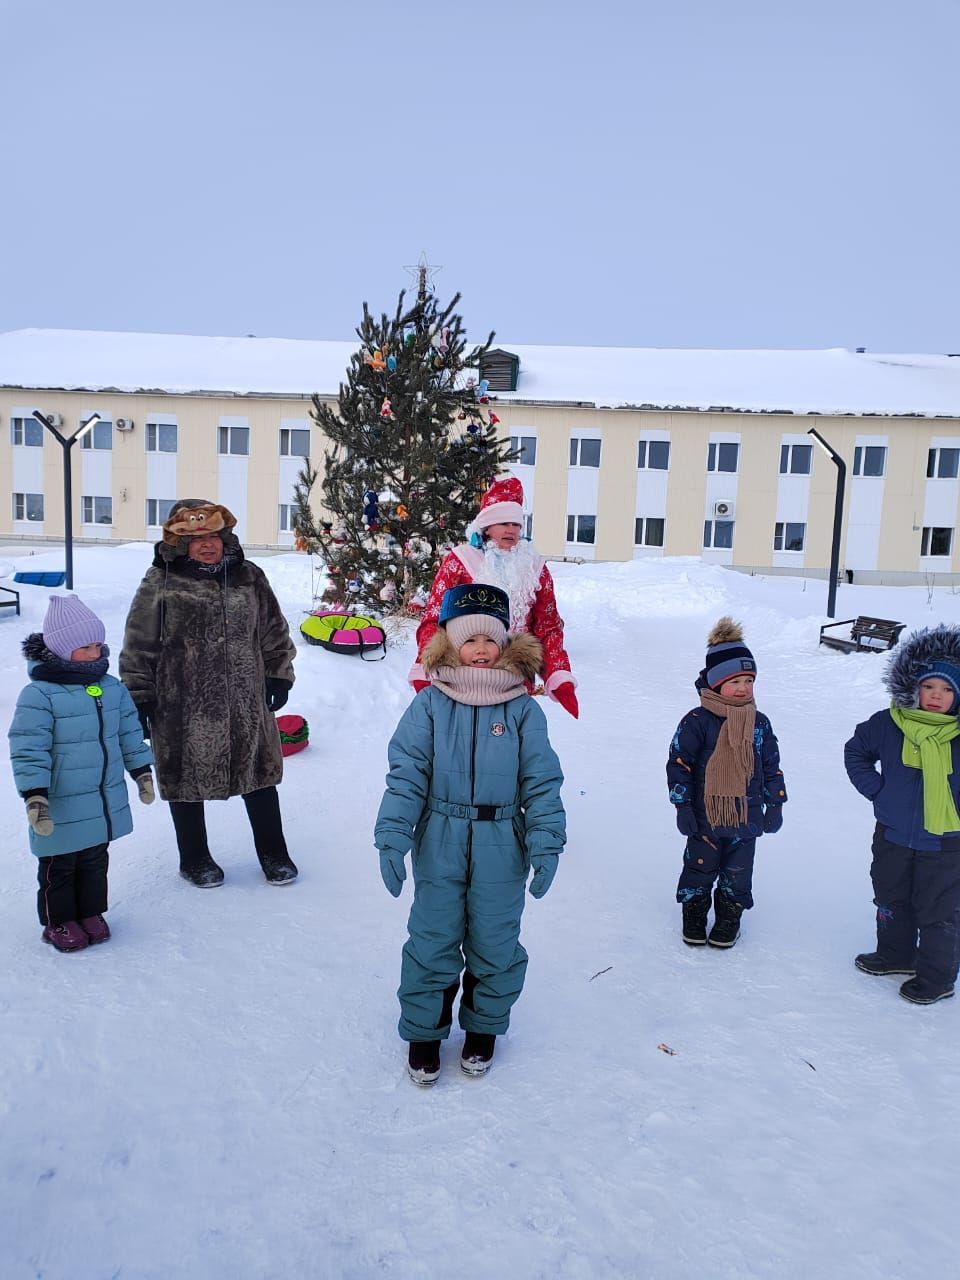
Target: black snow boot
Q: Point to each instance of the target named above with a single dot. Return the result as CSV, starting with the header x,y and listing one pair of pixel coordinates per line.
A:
x,y
203,872
279,868
695,920
922,991
423,1061
877,964
726,926
477,1056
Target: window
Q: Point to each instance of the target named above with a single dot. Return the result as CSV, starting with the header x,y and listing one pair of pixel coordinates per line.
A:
x,y
871,460
27,431
788,536
584,453
943,463
234,440
795,459
582,529
528,528
936,542
526,447
718,533
101,437
97,510
161,438
28,506
648,531
294,442
158,510
653,455
723,457
284,520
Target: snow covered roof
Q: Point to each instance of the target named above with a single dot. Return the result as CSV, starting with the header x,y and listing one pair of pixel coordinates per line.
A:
x,y
829,382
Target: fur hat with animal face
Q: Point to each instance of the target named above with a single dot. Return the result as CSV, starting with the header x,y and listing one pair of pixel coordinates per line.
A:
x,y
192,517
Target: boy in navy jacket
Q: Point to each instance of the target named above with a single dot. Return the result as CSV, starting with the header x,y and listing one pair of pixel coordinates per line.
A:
x,y
916,801
725,780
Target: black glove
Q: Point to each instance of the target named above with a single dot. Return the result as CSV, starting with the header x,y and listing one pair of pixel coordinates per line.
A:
x,y
278,691
146,711
687,820
773,818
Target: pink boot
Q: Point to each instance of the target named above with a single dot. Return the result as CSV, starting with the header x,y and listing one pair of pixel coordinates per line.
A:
x,y
66,937
96,929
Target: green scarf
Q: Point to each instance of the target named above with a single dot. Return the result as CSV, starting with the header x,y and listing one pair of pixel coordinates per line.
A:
x,y
926,745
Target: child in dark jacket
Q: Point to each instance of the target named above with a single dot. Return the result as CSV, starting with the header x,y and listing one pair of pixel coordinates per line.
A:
x,y
74,730
474,792
725,781
916,801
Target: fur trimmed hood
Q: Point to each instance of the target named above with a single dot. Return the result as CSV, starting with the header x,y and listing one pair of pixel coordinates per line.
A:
x,y
523,655
914,657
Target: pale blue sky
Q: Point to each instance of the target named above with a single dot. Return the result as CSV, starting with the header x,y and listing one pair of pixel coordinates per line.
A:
x,y
726,173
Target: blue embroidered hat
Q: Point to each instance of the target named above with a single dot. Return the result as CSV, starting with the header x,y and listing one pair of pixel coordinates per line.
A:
x,y
475,609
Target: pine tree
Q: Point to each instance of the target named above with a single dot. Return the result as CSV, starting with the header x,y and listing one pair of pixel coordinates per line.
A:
x,y
412,446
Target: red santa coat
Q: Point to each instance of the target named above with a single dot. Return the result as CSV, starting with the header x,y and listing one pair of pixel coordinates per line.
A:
x,y
464,565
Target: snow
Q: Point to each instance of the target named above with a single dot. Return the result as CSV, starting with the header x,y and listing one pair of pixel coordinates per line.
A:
x,y
826,382
219,1090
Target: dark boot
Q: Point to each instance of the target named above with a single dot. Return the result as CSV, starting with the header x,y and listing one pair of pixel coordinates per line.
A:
x,y
695,920
477,1056
920,991
263,810
423,1061
726,926
196,864
877,964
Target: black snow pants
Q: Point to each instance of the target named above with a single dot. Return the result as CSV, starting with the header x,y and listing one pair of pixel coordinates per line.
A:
x,y
917,896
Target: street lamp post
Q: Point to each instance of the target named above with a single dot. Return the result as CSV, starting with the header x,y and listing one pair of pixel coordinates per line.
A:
x,y
66,444
837,520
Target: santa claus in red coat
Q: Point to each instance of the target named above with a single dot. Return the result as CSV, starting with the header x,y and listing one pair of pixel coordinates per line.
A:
x,y
496,555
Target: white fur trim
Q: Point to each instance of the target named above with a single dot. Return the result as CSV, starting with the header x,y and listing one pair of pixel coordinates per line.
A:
x,y
552,683
499,513
416,672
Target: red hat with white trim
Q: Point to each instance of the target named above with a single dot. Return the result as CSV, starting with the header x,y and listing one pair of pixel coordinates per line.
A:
x,y
501,504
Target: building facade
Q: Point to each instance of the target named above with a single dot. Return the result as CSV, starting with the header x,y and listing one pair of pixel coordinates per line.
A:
x,y
623,454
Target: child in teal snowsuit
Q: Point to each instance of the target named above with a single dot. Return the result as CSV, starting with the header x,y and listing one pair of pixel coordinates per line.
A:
x,y
474,791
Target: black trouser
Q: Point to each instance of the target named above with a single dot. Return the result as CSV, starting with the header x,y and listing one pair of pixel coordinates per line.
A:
x,y
915,891
73,886
263,810
727,861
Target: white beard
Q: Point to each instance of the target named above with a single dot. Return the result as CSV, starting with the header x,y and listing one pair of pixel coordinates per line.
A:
x,y
516,572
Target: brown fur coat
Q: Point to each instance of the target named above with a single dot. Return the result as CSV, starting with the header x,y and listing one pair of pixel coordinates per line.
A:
x,y
197,651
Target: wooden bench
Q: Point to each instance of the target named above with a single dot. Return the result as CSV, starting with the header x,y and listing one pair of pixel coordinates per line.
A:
x,y
10,604
867,635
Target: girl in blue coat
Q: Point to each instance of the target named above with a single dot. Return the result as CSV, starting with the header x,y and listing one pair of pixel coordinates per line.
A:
x,y
74,731
474,791
726,783
916,802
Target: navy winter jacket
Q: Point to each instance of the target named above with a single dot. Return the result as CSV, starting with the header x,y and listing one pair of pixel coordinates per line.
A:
x,y
896,789
692,747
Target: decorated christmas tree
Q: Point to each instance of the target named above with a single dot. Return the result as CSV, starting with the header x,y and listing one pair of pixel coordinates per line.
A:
x,y
412,444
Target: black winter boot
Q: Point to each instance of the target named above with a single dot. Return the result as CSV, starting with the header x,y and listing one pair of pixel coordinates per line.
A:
x,y
203,872
726,926
922,991
695,920
263,810
877,964
196,864
477,1056
423,1061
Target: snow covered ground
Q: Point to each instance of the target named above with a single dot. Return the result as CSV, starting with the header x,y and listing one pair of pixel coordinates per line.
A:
x,y
219,1091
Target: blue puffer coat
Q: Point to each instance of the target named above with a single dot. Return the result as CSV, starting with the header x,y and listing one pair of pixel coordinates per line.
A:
x,y
691,748
75,745
469,756
896,790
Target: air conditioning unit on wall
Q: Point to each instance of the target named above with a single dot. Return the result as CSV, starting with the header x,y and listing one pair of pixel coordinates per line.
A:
x,y
55,419
725,509
124,424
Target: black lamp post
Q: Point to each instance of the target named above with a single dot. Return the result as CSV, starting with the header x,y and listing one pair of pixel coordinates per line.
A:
x,y
837,520
66,444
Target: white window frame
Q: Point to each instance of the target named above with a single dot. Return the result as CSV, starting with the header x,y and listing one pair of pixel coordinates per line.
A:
x,y
284,523
88,509
575,529
161,518
19,426
154,429
21,507
523,443
528,527
935,458
788,452
286,442
89,441
713,545
641,531
926,538
576,451
643,454
780,535
713,455
860,452
225,432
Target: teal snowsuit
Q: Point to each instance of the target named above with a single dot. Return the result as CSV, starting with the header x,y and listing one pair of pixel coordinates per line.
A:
x,y
474,791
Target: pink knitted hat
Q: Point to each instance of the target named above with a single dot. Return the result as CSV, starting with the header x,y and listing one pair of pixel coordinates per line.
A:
x,y
501,504
70,625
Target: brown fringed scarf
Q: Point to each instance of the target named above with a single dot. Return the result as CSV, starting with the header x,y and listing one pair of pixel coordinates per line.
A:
x,y
730,768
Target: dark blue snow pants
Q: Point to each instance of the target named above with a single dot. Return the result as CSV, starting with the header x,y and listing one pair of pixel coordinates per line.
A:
x,y
728,862
917,893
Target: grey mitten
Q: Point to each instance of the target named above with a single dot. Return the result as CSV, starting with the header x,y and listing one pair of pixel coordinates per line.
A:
x,y
544,869
145,788
38,815
392,870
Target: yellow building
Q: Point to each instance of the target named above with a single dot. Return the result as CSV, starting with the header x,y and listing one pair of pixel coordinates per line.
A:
x,y
625,452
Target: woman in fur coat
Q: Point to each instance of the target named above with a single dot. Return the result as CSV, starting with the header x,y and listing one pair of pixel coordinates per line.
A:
x,y
208,659
474,791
